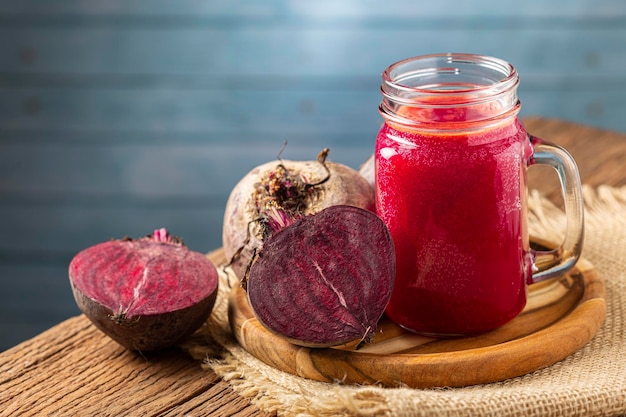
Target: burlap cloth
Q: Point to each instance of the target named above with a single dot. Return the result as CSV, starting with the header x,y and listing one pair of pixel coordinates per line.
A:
x,y
591,382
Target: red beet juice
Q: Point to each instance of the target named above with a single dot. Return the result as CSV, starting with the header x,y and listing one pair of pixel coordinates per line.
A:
x,y
455,204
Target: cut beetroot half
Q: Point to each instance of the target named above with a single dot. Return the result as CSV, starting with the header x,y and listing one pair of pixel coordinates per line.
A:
x,y
147,293
325,279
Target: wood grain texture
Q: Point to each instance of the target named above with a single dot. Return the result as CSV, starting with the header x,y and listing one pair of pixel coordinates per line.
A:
x,y
93,94
562,315
74,370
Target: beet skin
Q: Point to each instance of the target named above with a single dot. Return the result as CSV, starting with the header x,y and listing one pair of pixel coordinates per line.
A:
x,y
146,294
325,279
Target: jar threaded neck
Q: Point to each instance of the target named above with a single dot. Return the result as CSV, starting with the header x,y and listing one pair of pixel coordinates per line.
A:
x,y
450,91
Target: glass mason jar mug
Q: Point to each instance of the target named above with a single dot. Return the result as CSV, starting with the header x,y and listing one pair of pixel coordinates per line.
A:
x,y
450,163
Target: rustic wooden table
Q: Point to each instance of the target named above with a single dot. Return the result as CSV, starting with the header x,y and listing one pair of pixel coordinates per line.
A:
x,y
73,369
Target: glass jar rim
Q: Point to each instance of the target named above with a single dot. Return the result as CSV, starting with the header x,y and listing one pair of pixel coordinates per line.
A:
x,y
420,67
452,91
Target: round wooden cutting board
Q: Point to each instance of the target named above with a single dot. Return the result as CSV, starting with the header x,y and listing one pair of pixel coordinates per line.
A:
x,y
561,316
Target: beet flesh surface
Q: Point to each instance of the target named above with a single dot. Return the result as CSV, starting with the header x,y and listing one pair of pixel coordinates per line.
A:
x,y
326,279
145,295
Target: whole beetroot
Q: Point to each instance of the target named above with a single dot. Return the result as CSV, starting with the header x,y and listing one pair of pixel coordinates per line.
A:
x,y
146,294
324,279
258,203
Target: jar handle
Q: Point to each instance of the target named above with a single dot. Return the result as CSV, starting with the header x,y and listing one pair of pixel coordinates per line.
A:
x,y
550,263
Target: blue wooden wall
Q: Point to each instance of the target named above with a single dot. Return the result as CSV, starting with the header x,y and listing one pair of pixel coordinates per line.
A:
x,y
120,116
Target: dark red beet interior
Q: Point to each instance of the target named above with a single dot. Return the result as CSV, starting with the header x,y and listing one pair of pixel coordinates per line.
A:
x,y
325,279
143,277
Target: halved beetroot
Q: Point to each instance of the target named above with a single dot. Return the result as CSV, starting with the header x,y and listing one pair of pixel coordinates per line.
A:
x,y
325,279
146,294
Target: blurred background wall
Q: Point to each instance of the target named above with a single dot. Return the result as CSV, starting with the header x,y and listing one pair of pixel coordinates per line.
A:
x,y
120,116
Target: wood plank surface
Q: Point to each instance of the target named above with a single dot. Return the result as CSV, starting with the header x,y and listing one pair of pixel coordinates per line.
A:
x,y
489,8
94,96
74,370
